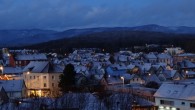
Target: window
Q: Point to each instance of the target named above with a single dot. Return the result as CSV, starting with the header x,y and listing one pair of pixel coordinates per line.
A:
x,y
37,77
166,102
182,103
52,84
44,77
30,77
53,77
44,85
137,79
192,105
34,77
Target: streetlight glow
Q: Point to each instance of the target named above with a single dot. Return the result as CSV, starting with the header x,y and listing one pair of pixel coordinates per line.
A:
x,y
28,72
1,68
123,80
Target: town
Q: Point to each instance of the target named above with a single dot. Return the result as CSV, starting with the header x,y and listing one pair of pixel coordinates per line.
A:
x,y
122,80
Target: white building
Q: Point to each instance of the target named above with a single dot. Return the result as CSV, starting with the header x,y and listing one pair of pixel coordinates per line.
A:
x,y
42,78
174,50
180,96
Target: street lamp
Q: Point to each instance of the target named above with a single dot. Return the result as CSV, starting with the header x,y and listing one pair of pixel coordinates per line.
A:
x,y
1,68
123,80
186,74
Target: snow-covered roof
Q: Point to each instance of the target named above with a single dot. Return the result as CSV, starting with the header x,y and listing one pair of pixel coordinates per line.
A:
x,y
12,70
43,67
156,67
122,58
152,77
112,72
169,73
131,66
146,67
40,56
12,85
176,91
186,54
163,56
151,56
187,64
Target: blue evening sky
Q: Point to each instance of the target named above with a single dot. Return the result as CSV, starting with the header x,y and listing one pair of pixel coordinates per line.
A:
x,y
66,14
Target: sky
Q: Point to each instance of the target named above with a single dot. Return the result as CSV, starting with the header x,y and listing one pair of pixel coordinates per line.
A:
x,y
68,14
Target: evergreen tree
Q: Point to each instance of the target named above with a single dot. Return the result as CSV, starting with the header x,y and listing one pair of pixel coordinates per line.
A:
x,y
67,79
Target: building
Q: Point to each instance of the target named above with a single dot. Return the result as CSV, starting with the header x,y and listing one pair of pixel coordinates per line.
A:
x,y
184,56
165,58
41,78
174,50
22,60
177,96
151,58
13,73
14,88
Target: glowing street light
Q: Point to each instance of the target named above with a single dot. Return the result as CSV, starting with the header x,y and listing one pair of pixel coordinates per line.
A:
x,y
123,80
1,68
28,72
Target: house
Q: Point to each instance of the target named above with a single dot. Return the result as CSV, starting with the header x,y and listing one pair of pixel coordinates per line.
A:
x,y
42,77
165,58
14,88
158,68
175,96
135,79
184,56
151,78
185,66
13,73
169,75
146,68
151,58
22,60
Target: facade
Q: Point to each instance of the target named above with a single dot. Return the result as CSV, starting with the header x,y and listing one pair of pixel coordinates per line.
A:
x,y
41,78
175,97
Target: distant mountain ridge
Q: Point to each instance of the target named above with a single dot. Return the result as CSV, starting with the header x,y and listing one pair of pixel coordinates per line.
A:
x,y
33,36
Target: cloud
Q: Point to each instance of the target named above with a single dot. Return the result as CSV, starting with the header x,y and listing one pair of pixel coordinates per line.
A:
x,y
65,14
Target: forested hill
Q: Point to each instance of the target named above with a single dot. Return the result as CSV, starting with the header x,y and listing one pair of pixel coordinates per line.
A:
x,y
120,39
